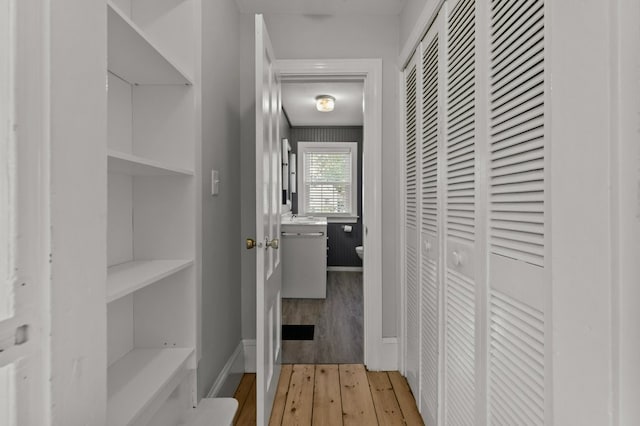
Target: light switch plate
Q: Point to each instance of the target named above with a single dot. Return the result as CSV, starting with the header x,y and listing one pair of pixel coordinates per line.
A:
x,y
215,182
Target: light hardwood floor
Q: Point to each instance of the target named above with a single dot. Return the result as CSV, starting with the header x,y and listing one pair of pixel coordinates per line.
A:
x,y
332,395
338,321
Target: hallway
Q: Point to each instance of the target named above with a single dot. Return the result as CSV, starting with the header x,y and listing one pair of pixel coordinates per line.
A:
x,y
494,182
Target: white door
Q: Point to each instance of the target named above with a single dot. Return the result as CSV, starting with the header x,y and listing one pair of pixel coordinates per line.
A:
x,y
431,145
22,259
518,298
269,277
411,221
460,208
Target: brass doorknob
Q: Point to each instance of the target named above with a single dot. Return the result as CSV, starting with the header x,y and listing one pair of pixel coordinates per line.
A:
x,y
274,244
251,243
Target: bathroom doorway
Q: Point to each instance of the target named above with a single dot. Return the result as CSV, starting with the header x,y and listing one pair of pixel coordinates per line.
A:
x,y
322,305
348,325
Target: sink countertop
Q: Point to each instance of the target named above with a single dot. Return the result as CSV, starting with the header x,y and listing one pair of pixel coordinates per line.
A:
x,y
303,220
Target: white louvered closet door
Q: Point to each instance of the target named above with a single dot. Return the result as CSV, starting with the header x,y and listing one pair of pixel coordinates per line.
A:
x,y
517,237
460,291
430,146
411,221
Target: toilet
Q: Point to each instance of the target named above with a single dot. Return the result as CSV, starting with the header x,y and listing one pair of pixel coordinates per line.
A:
x,y
360,251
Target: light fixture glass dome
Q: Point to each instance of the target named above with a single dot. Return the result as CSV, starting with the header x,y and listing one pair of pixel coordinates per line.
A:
x,y
325,103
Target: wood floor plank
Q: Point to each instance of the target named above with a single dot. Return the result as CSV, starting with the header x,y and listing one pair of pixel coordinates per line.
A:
x,y
405,399
384,400
281,395
299,405
357,403
248,415
327,405
242,392
359,397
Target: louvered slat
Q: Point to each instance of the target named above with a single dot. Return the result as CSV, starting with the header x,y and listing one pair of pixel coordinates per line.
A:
x,y
460,349
430,118
429,359
413,317
411,127
517,130
411,226
461,122
516,362
429,230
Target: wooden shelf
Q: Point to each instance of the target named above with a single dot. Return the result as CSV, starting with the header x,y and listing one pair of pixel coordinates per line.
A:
x,y
128,164
128,277
134,58
141,380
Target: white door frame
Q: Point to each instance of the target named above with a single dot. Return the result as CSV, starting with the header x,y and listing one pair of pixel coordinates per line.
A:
x,y
25,330
376,356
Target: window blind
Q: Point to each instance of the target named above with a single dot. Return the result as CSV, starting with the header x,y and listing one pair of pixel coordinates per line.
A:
x,y
328,181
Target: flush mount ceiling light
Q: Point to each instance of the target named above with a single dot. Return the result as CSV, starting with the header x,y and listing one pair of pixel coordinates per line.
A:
x,y
325,103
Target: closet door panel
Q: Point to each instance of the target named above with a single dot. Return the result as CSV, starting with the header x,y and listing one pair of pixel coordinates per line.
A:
x,y
517,238
460,222
431,137
459,350
411,214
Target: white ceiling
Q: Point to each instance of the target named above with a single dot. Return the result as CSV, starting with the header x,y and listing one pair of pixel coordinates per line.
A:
x,y
323,7
298,100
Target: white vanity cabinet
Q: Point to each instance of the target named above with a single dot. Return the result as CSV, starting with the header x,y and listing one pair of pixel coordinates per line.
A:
x,y
304,258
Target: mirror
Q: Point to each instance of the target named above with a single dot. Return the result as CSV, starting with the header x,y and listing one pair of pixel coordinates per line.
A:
x,y
288,175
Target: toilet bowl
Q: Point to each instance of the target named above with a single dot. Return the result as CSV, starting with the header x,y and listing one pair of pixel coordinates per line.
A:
x,y
360,251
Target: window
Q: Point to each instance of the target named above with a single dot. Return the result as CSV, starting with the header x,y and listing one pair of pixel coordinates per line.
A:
x,y
329,179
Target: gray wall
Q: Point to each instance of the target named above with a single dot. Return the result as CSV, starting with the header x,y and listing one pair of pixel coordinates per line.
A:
x,y
409,17
342,245
328,37
248,178
221,239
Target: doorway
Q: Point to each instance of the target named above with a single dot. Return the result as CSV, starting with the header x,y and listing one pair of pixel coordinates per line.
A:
x,y
369,73
322,305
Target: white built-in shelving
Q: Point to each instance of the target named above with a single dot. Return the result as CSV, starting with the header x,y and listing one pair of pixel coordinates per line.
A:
x,y
129,164
140,380
125,278
135,58
152,240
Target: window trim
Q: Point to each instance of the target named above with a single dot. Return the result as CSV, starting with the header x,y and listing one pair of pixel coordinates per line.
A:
x,y
355,191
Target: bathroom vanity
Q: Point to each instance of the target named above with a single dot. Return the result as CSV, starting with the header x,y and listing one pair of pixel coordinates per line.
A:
x,y
304,257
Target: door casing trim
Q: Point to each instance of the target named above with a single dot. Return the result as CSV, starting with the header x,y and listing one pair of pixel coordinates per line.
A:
x,y
370,72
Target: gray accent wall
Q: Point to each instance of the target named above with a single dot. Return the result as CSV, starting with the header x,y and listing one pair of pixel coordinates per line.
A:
x,y
341,245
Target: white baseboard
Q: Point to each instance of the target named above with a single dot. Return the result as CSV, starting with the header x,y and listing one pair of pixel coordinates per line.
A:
x,y
249,356
344,268
235,364
389,354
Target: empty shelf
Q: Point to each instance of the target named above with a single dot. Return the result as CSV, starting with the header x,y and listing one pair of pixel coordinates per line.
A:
x,y
128,277
220,410
141,380
134,58
121,162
